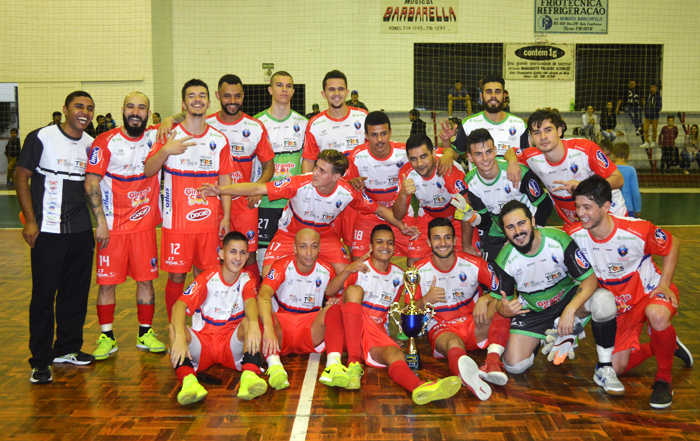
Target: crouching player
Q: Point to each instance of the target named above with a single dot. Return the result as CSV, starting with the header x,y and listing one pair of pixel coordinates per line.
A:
x,y
620,251
225,330
371,286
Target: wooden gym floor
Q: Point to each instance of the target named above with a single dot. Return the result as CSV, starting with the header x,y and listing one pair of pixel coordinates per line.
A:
x,y
131,396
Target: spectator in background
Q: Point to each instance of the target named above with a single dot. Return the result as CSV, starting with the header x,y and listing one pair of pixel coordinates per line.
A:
x,y
691,149
90,130
156,118
588,128
417,124
12,153
667,142
314,111
101,125
506,101
630,189
461,97
652,108
608,122
633,105
479,105
110,122
355,102
56,118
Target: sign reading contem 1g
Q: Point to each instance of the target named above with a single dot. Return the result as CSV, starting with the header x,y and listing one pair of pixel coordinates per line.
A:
x,y
571,16
419,16
538,62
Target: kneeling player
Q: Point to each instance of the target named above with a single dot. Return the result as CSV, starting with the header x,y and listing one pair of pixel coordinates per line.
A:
x,y
620,250
225,329
375,284
544,265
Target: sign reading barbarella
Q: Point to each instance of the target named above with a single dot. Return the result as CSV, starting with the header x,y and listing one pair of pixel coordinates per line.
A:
x,y
538,61
571,16
419,16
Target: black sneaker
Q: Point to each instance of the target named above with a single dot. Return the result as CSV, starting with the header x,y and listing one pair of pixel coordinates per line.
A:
x,y
661,395
683,353
41,375
80,358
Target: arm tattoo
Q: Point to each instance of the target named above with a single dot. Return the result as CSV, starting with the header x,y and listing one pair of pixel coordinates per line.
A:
x,y
94,197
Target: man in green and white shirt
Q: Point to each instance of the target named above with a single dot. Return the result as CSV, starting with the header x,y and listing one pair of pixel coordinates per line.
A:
x,y
543,276
286,129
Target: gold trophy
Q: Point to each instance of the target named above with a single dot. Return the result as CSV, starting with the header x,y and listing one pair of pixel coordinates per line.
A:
x,y
413,321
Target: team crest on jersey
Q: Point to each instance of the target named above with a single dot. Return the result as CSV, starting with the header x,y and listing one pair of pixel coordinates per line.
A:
x,y
534,188
271,274
95,156
400,164
507,189
212,145
150,143
462,277
573,168
191,289
512,131
246,133
622,250
358,125
460,185
602,159
554,258
154,262
250,235
344,251
338,204
282,183
318,282
296,127
396,283
660,236
581,259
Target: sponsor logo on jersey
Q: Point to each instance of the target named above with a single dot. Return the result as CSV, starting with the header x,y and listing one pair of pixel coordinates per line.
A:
x,y
282,183
534,188
296,127
622,303
290,143
237,148
549,302
140,214
194,197
622,250
138,197
328,217
271,275
554,276
602,159
358,125
80,164
284,170
250,235
460,185
512,131
246,133
581,260
494,280
206,162
198,214
212,145
660,236
615,268
396,283
353,141
167,198
191,289
318,282
366,198
573,168
385,297
154,262
439,199
507,189
95,156
518,151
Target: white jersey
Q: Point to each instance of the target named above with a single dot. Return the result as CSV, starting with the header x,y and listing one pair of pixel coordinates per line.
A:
x,y
295,292
343,135
381,290
382,175
506,134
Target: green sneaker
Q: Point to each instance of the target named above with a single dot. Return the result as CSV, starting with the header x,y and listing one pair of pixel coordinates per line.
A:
x,y
150,342
105,347
436,390
335,375
355,372
251,386
278,377
191,391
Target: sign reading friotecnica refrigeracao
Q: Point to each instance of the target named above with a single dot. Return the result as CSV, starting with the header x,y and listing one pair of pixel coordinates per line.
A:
x,y
571,16
538,61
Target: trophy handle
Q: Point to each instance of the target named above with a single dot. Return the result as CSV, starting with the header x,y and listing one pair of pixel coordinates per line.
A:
x,y
396,308
429,312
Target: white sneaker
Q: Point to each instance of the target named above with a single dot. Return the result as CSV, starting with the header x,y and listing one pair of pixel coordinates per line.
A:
x,y
652,144
469,373
606,378
645,145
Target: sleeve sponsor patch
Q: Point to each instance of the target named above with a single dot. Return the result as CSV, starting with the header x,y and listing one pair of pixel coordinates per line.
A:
x,y
495,285
366,198
191,289
660,236
282,183
581,260
534,188
95,156
603,160
272,274
461,186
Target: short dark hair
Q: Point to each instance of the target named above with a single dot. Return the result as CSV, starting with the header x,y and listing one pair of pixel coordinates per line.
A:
x,y
279,73
337,160
538,117
234,236
493,78
670,117
458,81
605,145
376,118
595,188
418,140
194,82
478,136
511,206
621,150
77,94
14,129
440,222
414,112
156,114
57,113
380,227
100,116
229,79
334,74
314,105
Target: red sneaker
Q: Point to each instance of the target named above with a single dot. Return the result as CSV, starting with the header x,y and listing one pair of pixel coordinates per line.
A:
x,y
493,370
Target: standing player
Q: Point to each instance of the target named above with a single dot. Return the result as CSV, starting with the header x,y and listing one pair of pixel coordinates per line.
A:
x,y
552,280
452,282
126,206
315,201
194,153
371,286
489,189
562,163
286,129
58,231
619,250
224,308
338,128
434,194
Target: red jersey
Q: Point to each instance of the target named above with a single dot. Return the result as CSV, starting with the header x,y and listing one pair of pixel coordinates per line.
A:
x,y
382,174
622,262
130,200
308,208
435,192
296,292
344,134
184,210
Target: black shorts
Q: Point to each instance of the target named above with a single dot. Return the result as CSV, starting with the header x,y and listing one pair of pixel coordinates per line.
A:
x,y
267,224
491,246
535,324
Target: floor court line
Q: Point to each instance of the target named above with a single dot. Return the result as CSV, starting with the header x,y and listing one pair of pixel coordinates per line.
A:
x,y
301,420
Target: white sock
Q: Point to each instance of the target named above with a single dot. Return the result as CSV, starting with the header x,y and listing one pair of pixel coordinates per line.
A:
x,y
273,360
107,327
332,358
604,354
493,347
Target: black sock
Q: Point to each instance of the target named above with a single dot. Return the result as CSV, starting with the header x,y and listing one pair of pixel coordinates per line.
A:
x,y
185,362
143,330
109,334
604,333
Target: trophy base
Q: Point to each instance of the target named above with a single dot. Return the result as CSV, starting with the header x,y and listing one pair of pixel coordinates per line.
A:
x,y
413,361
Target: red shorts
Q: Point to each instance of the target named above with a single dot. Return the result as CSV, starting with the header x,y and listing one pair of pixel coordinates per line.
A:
x,y
220,348
373,336
178,252
344,223
296,333
630,323
246,222
463,327
362,231
128,254
419,248
282,244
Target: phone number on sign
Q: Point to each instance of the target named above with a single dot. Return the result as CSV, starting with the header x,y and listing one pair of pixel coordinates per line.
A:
x,y
417,28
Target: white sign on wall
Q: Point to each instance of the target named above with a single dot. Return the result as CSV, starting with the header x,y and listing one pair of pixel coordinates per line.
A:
x,y
571,16
538,61
419,16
